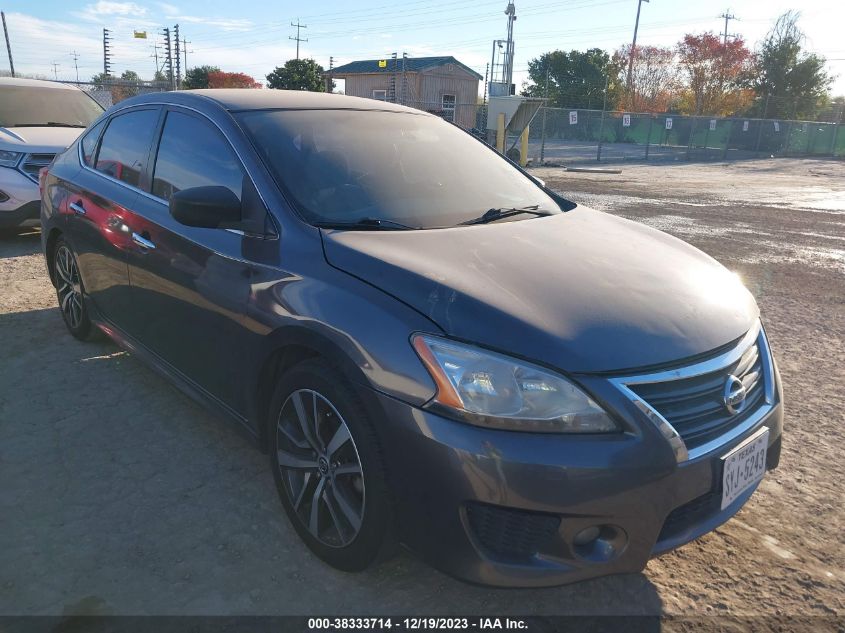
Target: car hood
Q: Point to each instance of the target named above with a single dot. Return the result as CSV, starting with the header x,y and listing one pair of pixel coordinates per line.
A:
x,y
46,140
582,291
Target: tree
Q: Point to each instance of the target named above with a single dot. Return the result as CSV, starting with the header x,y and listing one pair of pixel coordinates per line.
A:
x,y
221,79
575,79
298,74
197,77
790,82
715,75
654,78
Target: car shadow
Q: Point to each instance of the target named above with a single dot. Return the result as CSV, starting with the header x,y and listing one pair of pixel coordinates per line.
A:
x,y
19,241
119,476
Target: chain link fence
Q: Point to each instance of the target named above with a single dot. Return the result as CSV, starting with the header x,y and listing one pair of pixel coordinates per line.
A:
x,y
108,93
566,135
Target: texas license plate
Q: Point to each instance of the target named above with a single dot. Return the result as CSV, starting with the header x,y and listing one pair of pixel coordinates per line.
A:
x,y
744,466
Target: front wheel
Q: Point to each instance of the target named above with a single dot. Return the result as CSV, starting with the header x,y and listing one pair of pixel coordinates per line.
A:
x,y
328,468
69,291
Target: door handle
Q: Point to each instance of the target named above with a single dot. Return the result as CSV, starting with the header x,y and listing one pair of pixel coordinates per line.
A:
x,y
77,208
142,241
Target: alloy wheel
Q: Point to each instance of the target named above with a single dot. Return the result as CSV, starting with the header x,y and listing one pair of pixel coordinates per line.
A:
x,y
320,467
69,287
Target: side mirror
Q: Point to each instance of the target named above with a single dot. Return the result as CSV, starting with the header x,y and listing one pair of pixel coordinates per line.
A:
x,y
206,207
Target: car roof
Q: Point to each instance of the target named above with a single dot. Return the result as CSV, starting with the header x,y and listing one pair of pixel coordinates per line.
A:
x,y
35,83
268,99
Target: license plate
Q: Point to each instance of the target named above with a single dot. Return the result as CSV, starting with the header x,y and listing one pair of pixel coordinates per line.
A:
x,y
744,466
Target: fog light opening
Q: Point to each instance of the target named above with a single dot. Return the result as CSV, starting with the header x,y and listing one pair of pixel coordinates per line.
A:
x,y
600,543
3,196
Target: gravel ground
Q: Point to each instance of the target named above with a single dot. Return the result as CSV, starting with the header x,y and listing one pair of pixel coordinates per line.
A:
x,y
119,496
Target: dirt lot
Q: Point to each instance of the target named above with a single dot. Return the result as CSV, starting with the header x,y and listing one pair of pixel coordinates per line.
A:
x,y
118,495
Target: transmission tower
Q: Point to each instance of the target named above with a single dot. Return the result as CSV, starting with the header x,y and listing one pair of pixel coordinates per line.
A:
x,y
178,58
168,58
106,53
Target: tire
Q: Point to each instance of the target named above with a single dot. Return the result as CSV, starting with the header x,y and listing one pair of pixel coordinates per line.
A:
x,y
354,514
70,292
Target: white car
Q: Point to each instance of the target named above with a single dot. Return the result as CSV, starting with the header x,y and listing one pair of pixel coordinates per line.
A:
x,y
38,119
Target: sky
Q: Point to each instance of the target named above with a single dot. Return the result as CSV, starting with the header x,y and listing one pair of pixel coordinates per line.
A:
x,y
253,37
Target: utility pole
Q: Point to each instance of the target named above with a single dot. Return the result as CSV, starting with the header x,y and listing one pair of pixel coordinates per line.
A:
x,y
634,45
728,17
106,54
185,53
297,38
8,46
545,109
75,56
55,66
178,57
155,55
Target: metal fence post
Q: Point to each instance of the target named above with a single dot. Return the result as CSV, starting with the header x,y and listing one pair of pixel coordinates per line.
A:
x,y
728,140
835,138
691,133
543,137
648,137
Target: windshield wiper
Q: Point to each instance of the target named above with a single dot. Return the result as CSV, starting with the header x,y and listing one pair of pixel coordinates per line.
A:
x,y
49,124
368,224
491,215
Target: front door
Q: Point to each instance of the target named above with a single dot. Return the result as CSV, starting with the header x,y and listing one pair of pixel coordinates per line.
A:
x,y
190,286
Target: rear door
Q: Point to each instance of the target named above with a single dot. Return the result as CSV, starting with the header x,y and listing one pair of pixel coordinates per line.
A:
x,y
100,200
190,286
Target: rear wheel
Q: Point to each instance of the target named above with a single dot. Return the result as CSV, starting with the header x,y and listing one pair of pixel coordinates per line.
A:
x,y
69,291
328,468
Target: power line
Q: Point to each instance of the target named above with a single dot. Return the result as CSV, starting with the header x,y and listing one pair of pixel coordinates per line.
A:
x,y
297,38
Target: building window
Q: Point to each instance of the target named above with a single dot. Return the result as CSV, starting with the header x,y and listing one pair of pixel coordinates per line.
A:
x,y
448,107
381,95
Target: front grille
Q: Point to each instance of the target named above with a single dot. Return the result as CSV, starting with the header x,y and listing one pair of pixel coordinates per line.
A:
x,y
33,163
690,514
695,406
510,533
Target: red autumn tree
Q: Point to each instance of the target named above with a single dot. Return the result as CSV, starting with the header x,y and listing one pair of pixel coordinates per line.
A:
x,y
653,78
222,79
714,75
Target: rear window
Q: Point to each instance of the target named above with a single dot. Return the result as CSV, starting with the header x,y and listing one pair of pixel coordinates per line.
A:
x,y
340,166
28,106
89,143
125,145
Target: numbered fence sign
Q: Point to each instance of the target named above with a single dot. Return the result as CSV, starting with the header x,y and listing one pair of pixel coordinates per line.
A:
x,y
626,120
712,125
573,118
668,124
777,125
745,126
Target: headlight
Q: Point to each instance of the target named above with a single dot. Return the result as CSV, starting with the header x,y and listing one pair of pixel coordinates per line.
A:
x,y
492,390
9,159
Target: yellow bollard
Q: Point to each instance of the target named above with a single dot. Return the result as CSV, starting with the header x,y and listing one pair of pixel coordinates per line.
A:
x,y
523,147
500,133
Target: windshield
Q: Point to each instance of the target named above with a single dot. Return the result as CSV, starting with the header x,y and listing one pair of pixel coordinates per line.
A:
x,y
344,166
22,106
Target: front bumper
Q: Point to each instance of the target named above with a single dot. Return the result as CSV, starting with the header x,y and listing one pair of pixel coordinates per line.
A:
x,y
19,198
464,493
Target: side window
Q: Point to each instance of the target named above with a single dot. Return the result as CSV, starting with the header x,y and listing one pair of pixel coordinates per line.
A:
x,y
89,143
193,154
381,95
126,141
